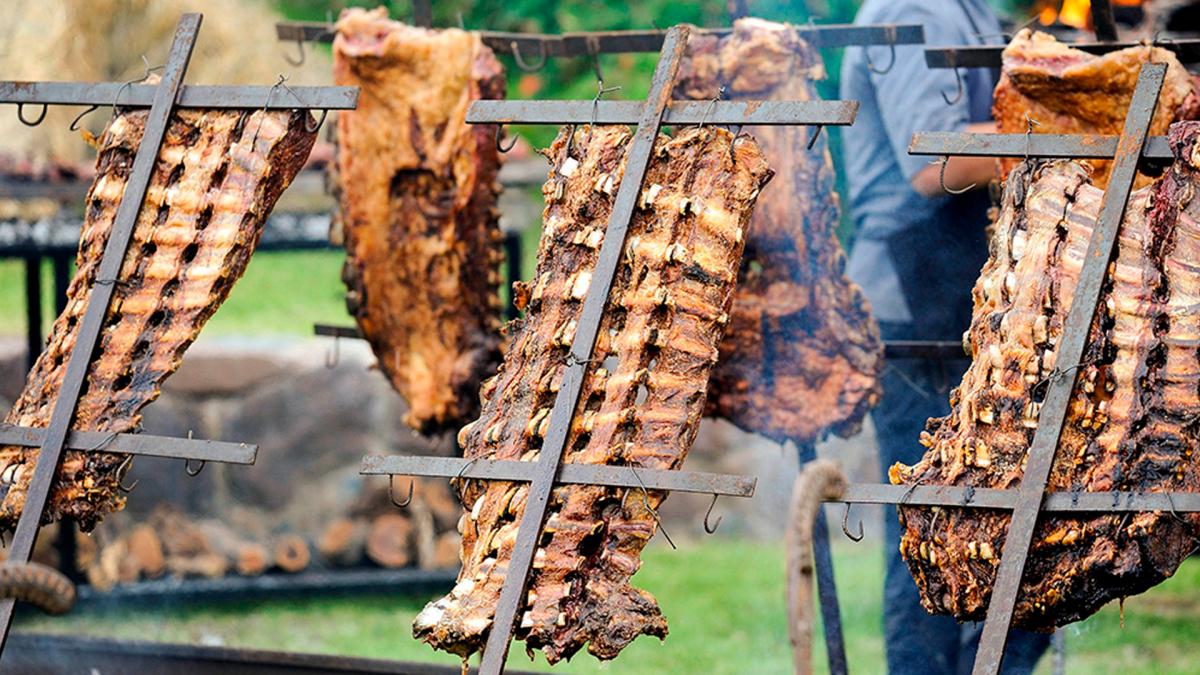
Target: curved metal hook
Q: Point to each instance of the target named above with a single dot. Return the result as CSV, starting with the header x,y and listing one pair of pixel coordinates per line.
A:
x,y
34,123
846,528
75,122
710,529
392,494
500,138
300,51
812,140
528,67
121,471
942,180
187,467
320,121
335,353
959,94
891,60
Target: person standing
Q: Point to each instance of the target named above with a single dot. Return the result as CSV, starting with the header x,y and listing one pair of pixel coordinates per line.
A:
x,y
917,253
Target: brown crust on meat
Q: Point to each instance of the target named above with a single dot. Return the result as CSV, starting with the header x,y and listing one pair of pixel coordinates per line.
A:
x,y
1131,421
643,393
417,189
802,354
217,178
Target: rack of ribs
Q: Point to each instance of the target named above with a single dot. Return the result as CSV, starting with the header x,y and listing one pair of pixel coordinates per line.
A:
x,y
802,354
417,189
1131,421
1068,91
218,175
643,392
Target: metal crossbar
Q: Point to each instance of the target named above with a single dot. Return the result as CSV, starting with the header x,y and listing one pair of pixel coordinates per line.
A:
x,y
1187,50
1031,499
162,99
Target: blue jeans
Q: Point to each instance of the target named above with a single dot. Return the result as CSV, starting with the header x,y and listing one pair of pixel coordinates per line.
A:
x,y
919,643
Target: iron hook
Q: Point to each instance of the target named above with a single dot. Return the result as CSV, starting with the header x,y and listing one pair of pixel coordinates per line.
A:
x,y
187,467
75,122
942,180
527,67
711,529
959,94
891,61
320,121
34,123
845,525
812,140
392,494
334,356
500,147
709,108
300,51
121,471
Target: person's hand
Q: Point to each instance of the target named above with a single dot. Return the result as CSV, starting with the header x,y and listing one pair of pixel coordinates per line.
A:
x,y
961,172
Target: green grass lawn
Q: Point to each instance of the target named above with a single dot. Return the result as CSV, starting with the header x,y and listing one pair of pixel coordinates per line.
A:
x,y
724,600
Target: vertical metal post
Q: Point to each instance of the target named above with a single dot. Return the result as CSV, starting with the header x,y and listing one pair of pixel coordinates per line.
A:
x,y
422,14
512,268
637,160
1103,21
101,295
62,280
1040,458
33,309
737,9
831,615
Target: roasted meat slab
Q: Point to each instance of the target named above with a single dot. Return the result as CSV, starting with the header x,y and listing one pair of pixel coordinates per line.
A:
x,y
643,393
1131,422
217,177
802,354
1067,91
417,191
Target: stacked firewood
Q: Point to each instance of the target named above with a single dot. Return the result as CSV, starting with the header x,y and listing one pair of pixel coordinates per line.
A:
x,y
371,532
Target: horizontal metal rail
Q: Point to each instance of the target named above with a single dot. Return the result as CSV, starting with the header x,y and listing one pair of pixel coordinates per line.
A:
x,y
923,349
577,474
136,444
758,113
1187,50
191,96
991,498
1073,146
534,45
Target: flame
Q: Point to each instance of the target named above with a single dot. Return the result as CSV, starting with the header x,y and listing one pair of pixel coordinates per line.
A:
x,y
1076,13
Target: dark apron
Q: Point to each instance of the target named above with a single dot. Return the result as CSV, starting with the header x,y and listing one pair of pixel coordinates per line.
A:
x,y
938,261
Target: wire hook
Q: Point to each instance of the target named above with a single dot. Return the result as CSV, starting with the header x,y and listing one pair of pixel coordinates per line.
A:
x,y
34,123
959,94
75,122
187,467
300,51
812,140
942,179
891,60
320,121
392,494
846,528
529,67
121,471
334,356
710,529
500,147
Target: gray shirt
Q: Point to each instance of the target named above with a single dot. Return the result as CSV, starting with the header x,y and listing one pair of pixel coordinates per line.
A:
x,y
893,106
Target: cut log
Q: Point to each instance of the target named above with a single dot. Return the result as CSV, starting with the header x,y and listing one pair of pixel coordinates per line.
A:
x,y
291,553
252,559
445,551
146,551
442,503
208,565
389,541
343,542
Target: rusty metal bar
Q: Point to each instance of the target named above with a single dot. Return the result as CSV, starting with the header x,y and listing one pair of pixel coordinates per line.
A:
x,y
827,113
1007,500
576,474
1040,457
1073,146
351,332
922,349
633,41
191,96
1187,50
93,319
136,444
636,163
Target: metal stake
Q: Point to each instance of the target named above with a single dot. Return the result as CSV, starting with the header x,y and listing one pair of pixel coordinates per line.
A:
x,y
1040,458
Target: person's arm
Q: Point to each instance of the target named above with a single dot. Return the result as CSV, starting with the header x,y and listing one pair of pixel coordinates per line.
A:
x,y
961,172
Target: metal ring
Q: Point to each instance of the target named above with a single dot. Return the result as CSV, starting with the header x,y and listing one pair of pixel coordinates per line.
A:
x,y
75,122
300,48
529,68
392,495
959,94
187,467
34,123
